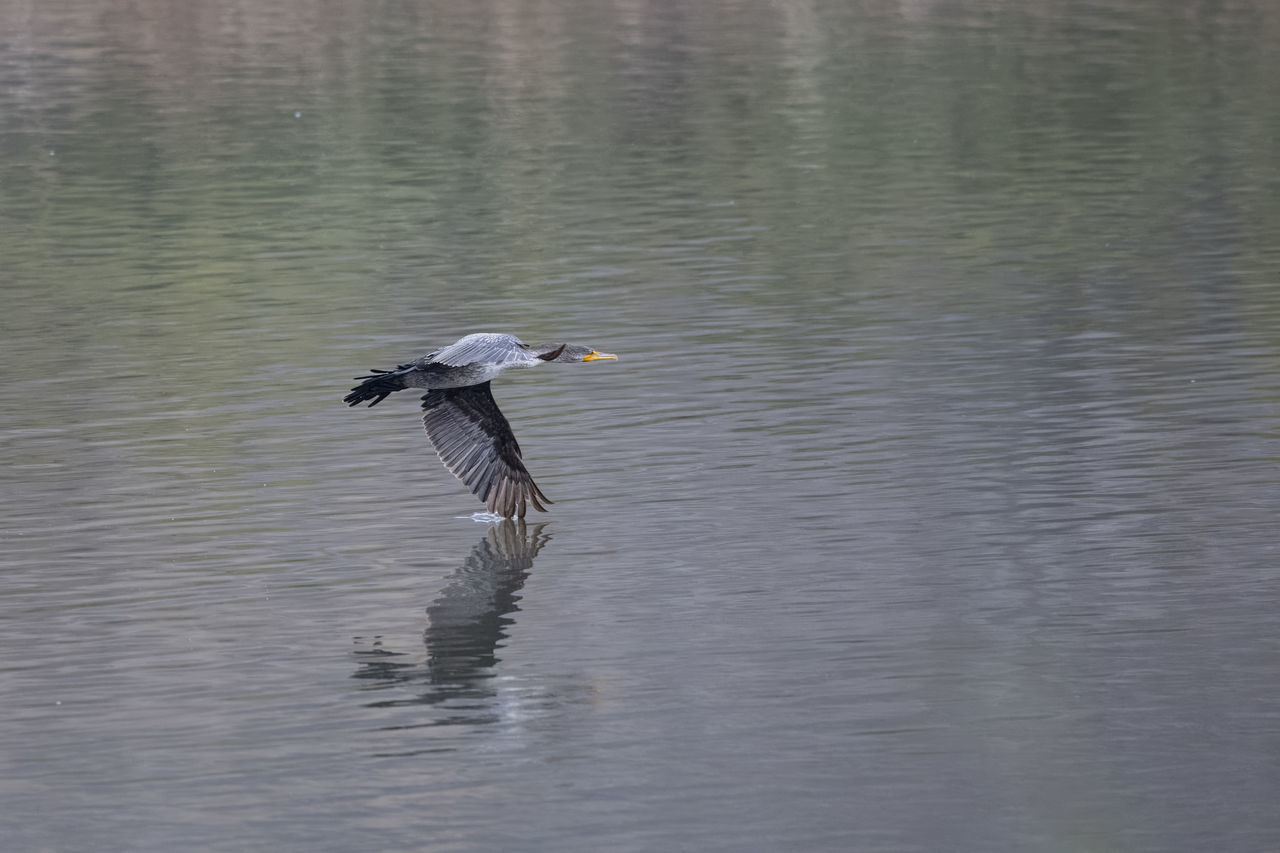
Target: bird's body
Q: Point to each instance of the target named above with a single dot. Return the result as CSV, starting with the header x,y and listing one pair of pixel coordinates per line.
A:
x,y
463,422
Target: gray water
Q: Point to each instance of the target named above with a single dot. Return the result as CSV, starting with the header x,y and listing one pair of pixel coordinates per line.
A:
x,y
929,507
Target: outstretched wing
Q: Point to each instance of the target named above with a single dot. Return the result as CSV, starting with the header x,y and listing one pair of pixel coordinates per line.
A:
x,y
487,347
475,442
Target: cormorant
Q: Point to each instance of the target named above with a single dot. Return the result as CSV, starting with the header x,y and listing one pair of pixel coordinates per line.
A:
x,y
464,424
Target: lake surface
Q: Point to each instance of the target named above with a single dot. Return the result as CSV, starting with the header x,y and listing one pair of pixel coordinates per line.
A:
x,y
931,504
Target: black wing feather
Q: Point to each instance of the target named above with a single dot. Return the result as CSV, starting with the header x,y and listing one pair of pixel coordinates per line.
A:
x,y
475,442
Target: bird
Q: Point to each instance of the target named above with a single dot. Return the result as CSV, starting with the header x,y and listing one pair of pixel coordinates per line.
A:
x,y
463,422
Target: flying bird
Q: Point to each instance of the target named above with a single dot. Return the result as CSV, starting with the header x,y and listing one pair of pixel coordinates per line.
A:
x,y
464,424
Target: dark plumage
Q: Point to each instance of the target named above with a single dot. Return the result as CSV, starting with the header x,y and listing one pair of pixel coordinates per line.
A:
x,y
463,422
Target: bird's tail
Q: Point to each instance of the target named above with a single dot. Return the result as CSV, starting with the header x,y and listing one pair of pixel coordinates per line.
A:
x,y
376,386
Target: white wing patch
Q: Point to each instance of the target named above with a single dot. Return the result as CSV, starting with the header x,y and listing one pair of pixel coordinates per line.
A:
x,y
486,347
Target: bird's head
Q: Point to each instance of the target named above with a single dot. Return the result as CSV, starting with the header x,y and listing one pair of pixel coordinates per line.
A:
x,y
572,353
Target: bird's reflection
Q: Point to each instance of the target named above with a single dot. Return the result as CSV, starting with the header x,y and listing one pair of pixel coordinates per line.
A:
x,y
465,625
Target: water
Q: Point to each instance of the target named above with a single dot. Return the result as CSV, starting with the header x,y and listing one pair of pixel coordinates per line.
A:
x,y
930,505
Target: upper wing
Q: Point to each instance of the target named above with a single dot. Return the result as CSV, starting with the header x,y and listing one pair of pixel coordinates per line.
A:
x,y
474,441
488,347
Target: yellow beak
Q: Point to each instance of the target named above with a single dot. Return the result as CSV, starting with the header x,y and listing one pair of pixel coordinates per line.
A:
x,y
596,356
